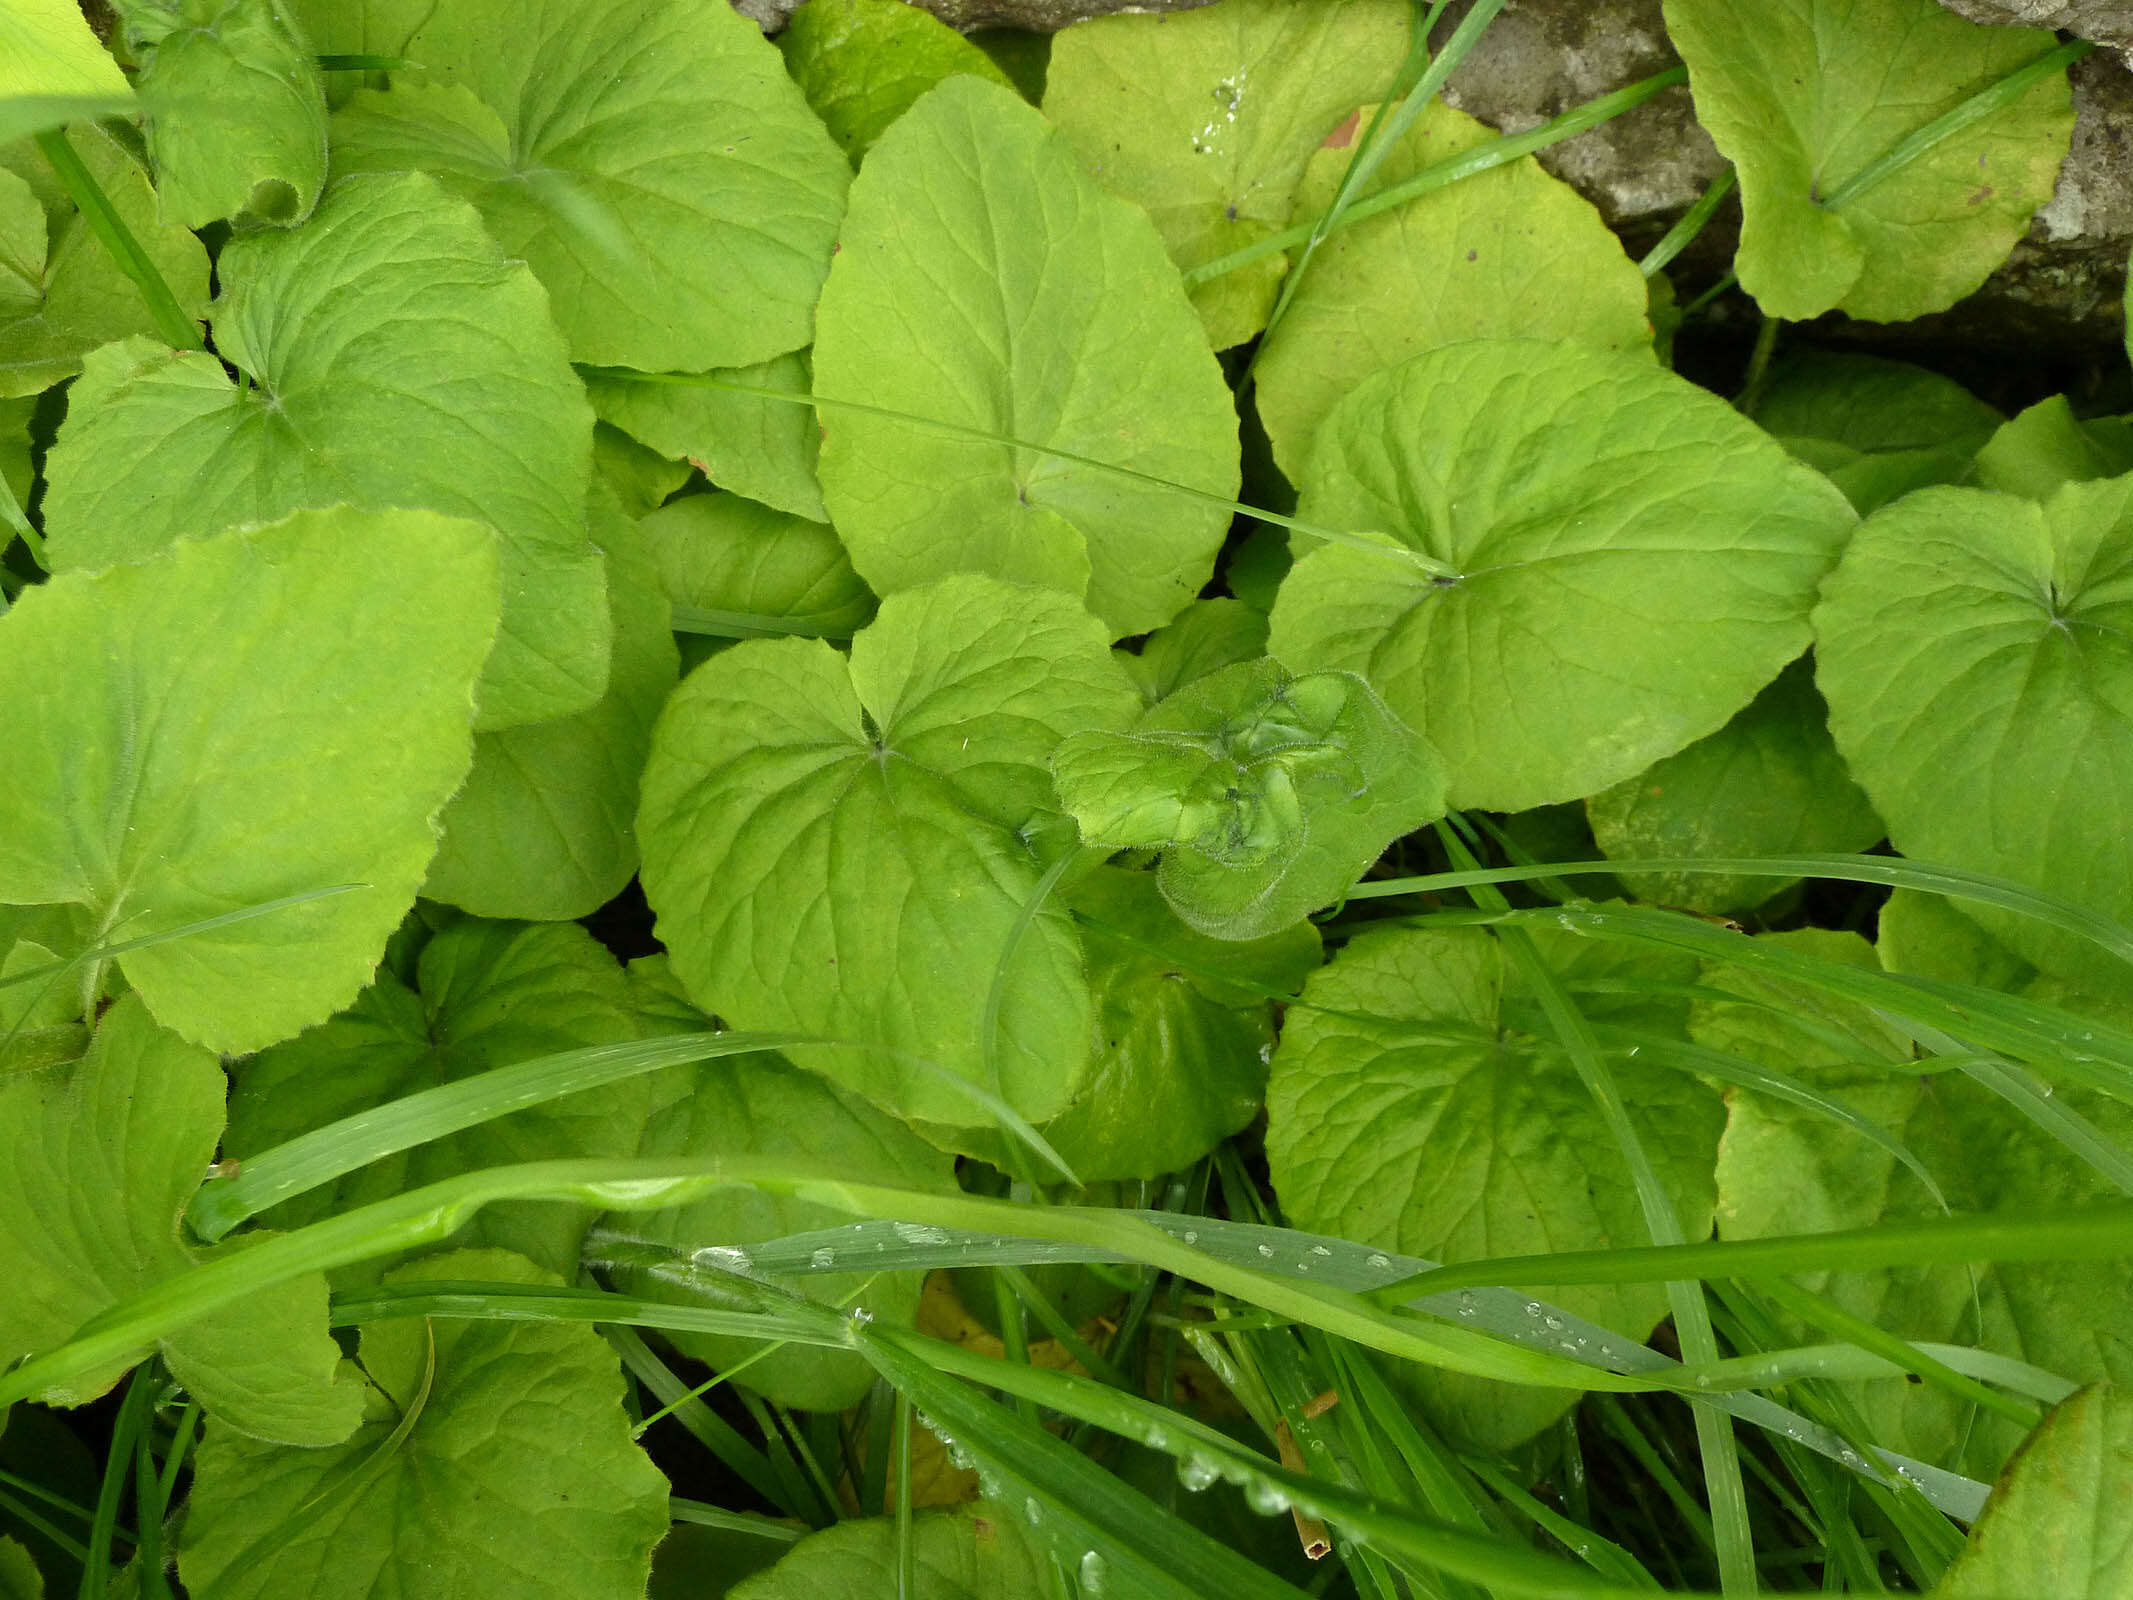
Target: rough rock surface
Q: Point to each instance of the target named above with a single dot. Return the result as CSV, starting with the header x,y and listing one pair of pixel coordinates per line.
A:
x,y
2107,21
1540,58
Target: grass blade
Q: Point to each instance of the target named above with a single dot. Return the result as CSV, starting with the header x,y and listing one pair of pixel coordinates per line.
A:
x,y
179,331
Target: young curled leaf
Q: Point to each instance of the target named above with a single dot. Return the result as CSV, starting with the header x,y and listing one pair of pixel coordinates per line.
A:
x,y
1269,792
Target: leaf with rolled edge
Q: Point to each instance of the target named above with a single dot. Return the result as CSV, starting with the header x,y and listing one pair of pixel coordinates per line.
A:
x,y
975,1552
1804,96
839,847
545,825
391,357
1630,561
764,449
236,111
1410,1110
97,1161
494,1459
1974,649
265,714
986,281
1206,119
491,994
2055,1523
58,305
1269,793
649,159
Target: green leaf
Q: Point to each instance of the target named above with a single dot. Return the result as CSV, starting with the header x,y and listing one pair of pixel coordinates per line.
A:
x,y
1207,636
1171,1035
839,848
17,469
1974,651
737,569
862,63
2054,1523
19,1577
976,1552
1783,1025
545,825
649,159
236,111
985,280
1878,429
47,48
494,1460
1401,1114
1205,121
1805,98
640,479
1590,624
1769,783
97,1161
1510,253
1929,935
58,305
1269,793
391,357
241,719
1784,1169
764,449
491,994
2046,446
761,1106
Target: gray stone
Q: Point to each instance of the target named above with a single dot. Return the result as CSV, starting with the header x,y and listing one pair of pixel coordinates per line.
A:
x,y
1540,58
2107,21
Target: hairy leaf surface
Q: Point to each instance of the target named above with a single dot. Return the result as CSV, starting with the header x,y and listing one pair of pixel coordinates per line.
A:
x,y
236,111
